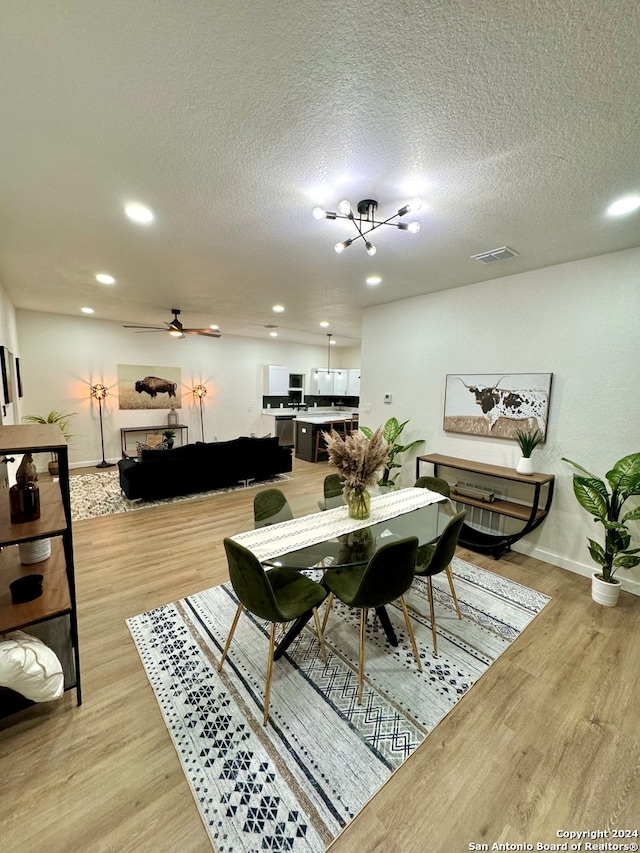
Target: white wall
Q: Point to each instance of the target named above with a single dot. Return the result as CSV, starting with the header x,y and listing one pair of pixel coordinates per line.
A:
x,y
62,356
578,321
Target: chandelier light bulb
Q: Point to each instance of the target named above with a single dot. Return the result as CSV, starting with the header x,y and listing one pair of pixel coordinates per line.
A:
x,y
340,247
371,249
415,204
414,227
318,213
344,207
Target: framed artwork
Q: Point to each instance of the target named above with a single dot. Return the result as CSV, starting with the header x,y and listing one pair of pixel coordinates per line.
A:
x,y
6,365
18,377
148,387
495,404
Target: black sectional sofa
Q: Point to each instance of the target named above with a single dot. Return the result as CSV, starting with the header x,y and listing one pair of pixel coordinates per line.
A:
x,y
202,466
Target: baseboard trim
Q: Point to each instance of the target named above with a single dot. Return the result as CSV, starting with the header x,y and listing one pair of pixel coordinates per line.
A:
x,y
631,585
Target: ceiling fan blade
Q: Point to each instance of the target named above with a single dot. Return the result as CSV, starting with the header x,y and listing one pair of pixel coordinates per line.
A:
x,y
151,328
207,333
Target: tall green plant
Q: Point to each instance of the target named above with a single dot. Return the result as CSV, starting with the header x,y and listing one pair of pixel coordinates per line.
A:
x,y
391,432
59,418
606,507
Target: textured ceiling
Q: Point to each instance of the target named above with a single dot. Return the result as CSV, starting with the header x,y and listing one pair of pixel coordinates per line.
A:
x,y
516,122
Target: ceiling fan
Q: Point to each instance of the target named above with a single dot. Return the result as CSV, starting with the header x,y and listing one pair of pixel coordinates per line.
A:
x,y
176,328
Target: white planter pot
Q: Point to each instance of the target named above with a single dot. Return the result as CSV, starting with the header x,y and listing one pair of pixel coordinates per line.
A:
x,y
603,592
34,552
525,465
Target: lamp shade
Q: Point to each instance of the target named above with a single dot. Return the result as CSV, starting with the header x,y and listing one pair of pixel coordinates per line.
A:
x,y
99,391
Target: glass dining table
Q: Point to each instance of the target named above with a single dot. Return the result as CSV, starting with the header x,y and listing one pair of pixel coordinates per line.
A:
x,y
332,544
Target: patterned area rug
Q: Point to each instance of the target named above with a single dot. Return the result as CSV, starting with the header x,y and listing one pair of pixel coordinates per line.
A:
x,y
99,494
296,783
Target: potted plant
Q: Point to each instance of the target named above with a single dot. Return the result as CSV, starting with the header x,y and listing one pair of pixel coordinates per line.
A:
x,y
60,418
528,441
391,432
169,436
606,507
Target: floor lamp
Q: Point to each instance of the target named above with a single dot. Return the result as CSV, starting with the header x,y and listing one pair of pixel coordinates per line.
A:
x,y
100,392
198,393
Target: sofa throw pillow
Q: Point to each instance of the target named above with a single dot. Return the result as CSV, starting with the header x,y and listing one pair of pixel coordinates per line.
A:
x,y
30,667
140,447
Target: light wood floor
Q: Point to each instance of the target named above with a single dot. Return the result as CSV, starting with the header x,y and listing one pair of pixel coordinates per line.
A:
x,y
548,740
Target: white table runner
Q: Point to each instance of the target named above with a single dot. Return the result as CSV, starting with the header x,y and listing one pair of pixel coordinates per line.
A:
x,y
286,536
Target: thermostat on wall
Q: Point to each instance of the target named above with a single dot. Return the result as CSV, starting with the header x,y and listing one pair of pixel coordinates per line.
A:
x,y
388,398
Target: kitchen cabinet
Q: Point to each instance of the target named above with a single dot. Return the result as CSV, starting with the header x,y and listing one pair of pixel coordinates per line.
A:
x,y
53,613
353,382
276,381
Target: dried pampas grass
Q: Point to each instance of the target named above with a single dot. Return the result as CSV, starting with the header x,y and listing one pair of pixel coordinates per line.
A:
x,y
356,459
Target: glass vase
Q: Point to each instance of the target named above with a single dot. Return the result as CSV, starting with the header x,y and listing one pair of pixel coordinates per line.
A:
x,y
359,504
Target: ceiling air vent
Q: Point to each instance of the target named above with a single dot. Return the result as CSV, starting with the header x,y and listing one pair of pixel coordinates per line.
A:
x,y
501,254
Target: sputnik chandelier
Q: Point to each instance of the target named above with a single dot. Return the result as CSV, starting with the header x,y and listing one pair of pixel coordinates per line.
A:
x,y
366,222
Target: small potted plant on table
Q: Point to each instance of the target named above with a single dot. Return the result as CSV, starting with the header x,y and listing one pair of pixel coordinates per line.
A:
x,y
169,437
606,507
528,441
60,418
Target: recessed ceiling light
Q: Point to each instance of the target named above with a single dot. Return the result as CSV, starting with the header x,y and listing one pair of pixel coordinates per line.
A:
x,y
374,279
324,325
105,278
273,334
624,205
87,310
278,309
139,213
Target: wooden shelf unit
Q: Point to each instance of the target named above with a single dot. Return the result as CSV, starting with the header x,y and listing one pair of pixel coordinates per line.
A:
x,y
531,514
58,595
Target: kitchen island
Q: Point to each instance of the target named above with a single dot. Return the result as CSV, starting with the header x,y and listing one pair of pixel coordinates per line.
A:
x,y
307,427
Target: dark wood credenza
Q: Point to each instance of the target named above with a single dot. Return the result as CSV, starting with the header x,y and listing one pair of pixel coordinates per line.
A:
x,y
531,513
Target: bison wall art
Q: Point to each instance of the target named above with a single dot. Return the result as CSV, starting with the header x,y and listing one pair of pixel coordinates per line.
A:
x,y
496,404
149,387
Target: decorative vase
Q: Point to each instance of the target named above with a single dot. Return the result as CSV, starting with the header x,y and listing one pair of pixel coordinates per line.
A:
x,y
34,552
604,592
24,496
525,465
359,504
53,467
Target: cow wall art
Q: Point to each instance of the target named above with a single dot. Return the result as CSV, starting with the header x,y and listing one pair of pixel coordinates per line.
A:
x,y
149,387
496,404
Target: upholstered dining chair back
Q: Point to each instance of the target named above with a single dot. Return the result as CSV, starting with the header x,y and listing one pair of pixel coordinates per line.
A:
x,y
269,507
388,575
332,490
435,558
434,484
250,582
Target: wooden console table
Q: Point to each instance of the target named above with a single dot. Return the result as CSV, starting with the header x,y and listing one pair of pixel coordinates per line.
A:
x,y
124,432
531,514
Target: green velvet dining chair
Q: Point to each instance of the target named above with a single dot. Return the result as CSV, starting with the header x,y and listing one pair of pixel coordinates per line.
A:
x,y
383,579
437,484
278,595
269,507
436,557
332,492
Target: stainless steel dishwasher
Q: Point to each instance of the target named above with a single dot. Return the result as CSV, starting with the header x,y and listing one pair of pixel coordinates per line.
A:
x,y
284,430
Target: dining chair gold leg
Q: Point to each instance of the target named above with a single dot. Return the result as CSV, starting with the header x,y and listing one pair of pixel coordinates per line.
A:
x,y
267,688
453,592
327,610
323,652
433,618
230,637
410,633
363,631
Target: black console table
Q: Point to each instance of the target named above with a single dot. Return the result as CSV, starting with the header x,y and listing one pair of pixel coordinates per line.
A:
x,y
531,513
158,430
